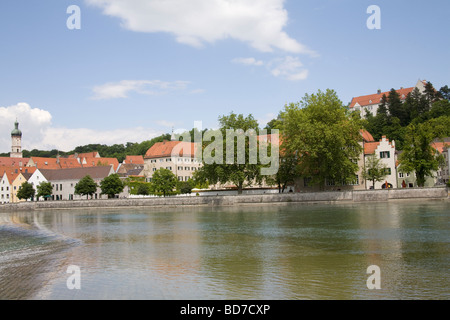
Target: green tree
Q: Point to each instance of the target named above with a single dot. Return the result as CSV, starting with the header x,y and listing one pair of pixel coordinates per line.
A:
x,y
287,172
242,170
375,170
26,191
164,181
44,189
112,185
143,189
86,187
185,187
418,155
444,93
325,138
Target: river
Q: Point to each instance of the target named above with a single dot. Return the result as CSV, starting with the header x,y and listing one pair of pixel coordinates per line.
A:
x,y
294,252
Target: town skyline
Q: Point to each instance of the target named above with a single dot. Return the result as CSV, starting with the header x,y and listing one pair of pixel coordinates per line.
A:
x,y
122,79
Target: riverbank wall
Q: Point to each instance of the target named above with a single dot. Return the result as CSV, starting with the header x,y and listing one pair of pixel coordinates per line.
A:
x,y
242,200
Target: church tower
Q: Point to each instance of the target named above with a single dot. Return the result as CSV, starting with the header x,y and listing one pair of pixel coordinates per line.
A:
x,y
16,138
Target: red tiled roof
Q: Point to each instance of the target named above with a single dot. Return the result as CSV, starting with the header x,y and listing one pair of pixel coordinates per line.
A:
x,y
97,162
134,160
7,161
165,149
376,98
440,146
93,154
370,147
367,137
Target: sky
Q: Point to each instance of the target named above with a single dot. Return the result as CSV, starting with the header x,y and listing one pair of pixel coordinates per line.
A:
x,y
118,71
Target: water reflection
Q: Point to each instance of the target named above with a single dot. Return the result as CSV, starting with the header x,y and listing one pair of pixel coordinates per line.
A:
x,y
280,252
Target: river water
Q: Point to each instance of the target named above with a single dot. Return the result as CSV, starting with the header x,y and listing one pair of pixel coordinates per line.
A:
x,y
268,252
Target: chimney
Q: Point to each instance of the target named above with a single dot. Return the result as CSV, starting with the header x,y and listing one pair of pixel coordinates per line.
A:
x,y
379,91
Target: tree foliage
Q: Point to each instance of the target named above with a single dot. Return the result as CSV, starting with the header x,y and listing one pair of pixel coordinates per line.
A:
x,y
325,138
86,187
418,155
112,185
26,191
375,170
44,189
164,181
241,171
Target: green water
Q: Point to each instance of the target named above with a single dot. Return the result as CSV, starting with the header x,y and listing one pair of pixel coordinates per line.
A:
x,y
270,252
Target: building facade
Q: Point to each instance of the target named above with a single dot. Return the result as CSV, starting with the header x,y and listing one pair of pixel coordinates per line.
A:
x,y
370,103
176,156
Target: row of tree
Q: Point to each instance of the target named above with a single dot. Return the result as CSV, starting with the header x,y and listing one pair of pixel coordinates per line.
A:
x,y
111,186
394,115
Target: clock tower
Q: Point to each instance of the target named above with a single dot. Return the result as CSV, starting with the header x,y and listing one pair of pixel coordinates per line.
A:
x,y
16,139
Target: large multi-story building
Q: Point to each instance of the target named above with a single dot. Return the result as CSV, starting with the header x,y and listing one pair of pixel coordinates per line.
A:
x,y
371,102
176,156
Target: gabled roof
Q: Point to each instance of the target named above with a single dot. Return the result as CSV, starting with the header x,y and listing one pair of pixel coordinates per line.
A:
x,y
7,161
370,147
164,149
93,154
376,98
134,160
13,171
367,137
75,173
96,162
440,146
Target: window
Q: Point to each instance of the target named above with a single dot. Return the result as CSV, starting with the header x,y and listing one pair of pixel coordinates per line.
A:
x,y
186,168
385,155
186,178
180,168
60,187
180,178
387,171
168,160
169,168
154,169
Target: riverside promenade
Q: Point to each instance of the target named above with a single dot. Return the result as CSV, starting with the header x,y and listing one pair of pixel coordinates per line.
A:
x,y
437,193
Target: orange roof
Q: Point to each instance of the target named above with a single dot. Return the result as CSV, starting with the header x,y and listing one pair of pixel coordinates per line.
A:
x,y
367,137
69,163
376,98
134,160
370,147
96,162
165,149
93,154
44,163
440,146
13,171
7,161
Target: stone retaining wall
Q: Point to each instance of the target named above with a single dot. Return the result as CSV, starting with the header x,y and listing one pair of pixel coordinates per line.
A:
x,y
313,197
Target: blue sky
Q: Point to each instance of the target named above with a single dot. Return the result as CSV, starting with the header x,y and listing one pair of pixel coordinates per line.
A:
x,y
137,68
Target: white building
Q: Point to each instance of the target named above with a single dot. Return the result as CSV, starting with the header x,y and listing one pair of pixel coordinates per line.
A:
x,y
370,103
384,150
176,156
64,180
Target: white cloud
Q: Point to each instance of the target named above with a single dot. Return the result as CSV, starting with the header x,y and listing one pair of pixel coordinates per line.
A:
x,y
38,132
289,68
248,61
116,90
196,22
